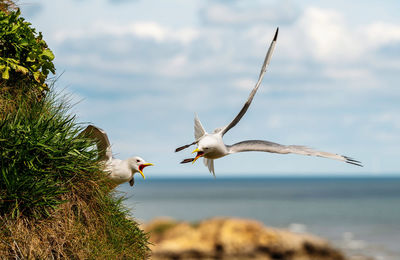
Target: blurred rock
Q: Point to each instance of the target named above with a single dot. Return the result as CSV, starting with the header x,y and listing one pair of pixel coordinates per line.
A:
x,y
231,238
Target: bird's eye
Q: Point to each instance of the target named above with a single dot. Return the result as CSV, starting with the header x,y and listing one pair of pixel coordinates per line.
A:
x,y
205,148
137,160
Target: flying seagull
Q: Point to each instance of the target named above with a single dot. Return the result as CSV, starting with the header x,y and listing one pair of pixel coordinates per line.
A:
x,y
210,146
119,171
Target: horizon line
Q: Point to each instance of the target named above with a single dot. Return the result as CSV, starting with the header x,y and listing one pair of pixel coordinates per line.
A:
x,y
287,175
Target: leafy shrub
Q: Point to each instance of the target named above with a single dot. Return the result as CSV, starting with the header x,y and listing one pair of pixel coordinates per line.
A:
x,y
24,55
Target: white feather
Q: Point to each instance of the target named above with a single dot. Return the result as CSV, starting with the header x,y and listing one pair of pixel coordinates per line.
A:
x,y
198,128
210,164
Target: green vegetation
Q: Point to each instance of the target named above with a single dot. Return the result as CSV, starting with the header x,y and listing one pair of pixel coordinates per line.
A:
x,y
25,60
24,55
41,158
55,201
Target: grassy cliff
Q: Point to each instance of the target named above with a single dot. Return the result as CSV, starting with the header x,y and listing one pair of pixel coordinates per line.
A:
x,y
55,201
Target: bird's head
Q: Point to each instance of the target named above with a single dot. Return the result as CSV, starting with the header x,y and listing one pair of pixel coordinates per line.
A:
x,y
205,146
137,164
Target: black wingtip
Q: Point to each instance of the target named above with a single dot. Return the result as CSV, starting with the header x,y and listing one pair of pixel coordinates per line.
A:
x,y
181,148
184,147
276,34
187,160
352,161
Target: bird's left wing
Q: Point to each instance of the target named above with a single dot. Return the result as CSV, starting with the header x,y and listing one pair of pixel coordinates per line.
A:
x,y
265,146
103,144
198,128
198,133
253,92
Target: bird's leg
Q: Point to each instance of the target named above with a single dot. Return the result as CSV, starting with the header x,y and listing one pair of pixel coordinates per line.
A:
x,y
132,181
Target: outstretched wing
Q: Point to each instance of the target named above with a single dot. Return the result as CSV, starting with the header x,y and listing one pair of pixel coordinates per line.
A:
x,y
103,144
253,92
265,146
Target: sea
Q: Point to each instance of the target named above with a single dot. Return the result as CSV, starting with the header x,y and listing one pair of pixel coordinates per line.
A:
x,y
360,215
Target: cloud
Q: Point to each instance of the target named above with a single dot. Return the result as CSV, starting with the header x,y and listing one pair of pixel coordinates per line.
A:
x,y
326,78
320,37
147,57
235,13
244,84
329,37
115,1
381,33
142,30
122,1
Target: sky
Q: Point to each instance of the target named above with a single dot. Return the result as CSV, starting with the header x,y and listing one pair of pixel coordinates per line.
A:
x,y
141,69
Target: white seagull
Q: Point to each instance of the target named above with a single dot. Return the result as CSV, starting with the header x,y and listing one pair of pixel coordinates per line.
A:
x,y
119,171
211,146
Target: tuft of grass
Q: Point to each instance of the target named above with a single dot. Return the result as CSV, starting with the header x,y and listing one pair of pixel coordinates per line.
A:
x,y
41,158
55,201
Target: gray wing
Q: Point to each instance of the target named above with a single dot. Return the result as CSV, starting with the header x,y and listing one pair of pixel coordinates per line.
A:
x,y
253,92
265,146
103,144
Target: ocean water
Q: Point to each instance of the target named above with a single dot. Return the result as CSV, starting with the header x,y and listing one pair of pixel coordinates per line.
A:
x,y
358,215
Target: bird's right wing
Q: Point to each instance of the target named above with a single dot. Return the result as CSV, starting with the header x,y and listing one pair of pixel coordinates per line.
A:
x,y
253,92
270,147
103,144
184,146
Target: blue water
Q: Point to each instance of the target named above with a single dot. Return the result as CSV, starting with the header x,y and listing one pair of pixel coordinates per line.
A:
x,y
359,215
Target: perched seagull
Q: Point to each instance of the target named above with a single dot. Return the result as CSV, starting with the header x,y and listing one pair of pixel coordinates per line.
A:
x,y
119,171
211,146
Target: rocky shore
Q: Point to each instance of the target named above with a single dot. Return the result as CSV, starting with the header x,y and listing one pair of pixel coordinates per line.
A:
x,y
232,238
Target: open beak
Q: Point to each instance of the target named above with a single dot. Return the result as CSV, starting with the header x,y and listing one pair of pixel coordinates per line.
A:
x,y
142,166
199,154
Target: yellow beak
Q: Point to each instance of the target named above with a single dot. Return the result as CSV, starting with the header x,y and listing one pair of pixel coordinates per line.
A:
x,y
144,165
198,156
